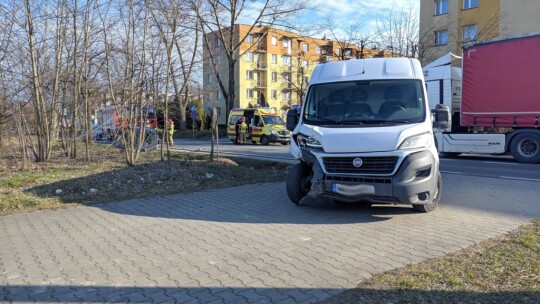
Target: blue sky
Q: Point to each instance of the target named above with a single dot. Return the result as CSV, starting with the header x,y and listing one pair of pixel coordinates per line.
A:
x,y
365,12
342,12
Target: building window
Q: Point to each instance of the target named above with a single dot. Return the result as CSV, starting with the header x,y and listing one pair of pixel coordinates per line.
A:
x,y
286,77
286,42
274,94
274,58
304,64
274,76
287,60
441,7
338,51
209,78
305,47
249,93
249,75
217,42
318,50
470,4
469,32
218,59
249,38
287,95
441,37
218,94
249,56
274,40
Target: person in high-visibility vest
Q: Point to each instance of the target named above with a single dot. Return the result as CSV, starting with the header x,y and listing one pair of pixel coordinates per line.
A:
x,y
170,131
243,130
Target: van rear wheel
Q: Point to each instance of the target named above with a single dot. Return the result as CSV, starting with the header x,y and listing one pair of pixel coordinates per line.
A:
x,y
298,182
435,202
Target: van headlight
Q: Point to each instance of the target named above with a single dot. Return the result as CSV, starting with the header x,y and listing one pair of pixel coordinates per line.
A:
x,y
304,141
417,141
272,131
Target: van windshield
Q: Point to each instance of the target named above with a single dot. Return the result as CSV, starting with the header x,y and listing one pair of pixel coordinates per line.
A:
x,y
272,120
365,102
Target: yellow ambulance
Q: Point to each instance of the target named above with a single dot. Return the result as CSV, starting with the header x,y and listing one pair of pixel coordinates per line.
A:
x,y
265,126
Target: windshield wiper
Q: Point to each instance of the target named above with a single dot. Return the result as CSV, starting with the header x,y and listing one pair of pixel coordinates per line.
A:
x,y
401,122
323,118
355,121
382,121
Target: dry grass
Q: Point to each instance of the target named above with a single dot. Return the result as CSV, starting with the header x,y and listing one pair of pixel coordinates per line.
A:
x,y
505,269
63,182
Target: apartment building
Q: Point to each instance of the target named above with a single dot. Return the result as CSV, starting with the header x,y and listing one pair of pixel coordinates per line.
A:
x,y
445,25
273,69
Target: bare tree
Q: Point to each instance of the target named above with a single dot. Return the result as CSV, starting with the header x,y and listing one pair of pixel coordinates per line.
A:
x,y
397,30
350,41
126,64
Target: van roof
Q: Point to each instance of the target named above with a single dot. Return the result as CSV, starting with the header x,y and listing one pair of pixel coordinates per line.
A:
x,y
367,69
262,110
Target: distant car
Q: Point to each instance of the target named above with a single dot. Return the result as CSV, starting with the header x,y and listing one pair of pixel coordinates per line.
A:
x,y
97,131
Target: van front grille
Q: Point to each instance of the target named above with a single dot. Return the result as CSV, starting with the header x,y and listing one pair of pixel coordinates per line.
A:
x,y
370,180
370,164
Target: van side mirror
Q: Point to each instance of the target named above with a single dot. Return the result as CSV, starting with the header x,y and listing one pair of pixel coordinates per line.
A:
x,y
292,119
442,119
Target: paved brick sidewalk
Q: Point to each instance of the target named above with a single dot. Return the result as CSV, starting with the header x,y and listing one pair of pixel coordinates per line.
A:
x,y
244,244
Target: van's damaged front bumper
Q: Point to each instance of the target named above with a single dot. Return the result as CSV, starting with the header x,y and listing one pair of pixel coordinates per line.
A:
x,y
414,181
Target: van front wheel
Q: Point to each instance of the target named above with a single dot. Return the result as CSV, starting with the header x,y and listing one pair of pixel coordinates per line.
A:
x,y
435,202
264,140
298,182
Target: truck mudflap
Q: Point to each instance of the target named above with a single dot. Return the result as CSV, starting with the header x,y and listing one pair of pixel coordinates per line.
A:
x,y
414,183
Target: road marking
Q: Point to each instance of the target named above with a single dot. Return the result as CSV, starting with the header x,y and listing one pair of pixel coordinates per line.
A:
x,y
499,163
521,178
493,176
451,172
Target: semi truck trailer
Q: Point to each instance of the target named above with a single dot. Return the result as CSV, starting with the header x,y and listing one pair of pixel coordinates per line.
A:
x,y
493,96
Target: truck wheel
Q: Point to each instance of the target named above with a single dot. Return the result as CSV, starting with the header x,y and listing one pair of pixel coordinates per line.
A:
x,y
264,140
525,148
298,182
435,202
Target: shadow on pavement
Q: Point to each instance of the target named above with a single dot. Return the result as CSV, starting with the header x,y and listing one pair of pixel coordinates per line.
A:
x,y
93,294
255,207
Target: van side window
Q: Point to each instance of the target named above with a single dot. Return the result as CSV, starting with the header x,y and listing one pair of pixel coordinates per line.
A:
x,y
233,119
258,121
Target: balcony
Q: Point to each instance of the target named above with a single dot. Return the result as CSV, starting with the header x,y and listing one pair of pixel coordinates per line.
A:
x,y
261,67
260,84
261,48
325,58
286,86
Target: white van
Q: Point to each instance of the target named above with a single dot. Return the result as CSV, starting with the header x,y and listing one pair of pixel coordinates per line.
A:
x,y
364,134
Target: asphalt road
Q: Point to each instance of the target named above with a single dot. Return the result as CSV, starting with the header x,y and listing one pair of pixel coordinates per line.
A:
x,y
500,167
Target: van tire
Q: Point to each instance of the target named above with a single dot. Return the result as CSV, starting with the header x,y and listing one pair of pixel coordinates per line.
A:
x,y
433,205
525,148
298,182
264,140
253,142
